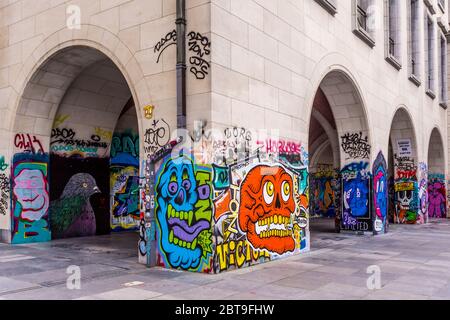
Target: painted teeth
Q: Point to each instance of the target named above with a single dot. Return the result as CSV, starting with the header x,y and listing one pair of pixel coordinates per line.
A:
x,y
182,215
274,219
181,243
275,233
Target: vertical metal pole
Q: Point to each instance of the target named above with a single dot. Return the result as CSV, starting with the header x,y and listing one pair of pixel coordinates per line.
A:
x,y
181,64
150,215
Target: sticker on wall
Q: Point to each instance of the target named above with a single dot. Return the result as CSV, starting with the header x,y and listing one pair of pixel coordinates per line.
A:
x,y
404,148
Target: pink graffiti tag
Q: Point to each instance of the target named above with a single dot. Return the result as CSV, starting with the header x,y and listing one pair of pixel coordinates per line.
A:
x,y
280,146
28,143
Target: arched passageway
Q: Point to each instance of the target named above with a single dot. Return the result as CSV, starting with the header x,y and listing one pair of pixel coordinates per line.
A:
x,y
75,169
340,153
403,171
437,193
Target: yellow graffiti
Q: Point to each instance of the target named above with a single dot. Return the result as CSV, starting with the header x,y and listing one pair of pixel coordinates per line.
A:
x,y
59,120
404,186
104,134
237,253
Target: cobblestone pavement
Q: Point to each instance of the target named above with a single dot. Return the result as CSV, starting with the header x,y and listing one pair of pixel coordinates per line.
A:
x,y
414,263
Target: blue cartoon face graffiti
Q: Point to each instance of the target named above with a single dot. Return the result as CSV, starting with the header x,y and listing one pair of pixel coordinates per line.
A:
x,y
181,216
356,197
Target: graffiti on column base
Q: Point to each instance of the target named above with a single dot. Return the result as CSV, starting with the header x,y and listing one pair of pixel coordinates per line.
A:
x,y
437,199
28,143
261,215
380,194
406,203
323,191
4,194
184,214
423,193
356,206
124,181
30,198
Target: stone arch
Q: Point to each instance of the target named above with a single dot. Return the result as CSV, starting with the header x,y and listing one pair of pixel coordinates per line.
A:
x,y
90,82
437,191
340,110
404,157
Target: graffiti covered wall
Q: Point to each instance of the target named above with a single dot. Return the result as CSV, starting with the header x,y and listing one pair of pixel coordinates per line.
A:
x,y
4,194
249,206
30,199
324,192
124,167
406,190
437,196
380,195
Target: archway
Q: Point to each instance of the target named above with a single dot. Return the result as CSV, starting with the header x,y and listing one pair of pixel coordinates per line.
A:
x,y
403,171
75,169
340,153
437,193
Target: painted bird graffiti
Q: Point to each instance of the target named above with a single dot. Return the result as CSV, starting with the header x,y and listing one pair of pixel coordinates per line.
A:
x,y
72,214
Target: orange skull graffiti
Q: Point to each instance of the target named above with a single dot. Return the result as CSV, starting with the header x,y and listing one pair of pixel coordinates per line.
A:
x,y
267,203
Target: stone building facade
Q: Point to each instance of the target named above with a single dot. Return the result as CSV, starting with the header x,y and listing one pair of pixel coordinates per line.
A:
x,y
295,109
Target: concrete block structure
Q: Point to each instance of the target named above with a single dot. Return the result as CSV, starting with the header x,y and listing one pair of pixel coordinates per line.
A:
x,y
295,110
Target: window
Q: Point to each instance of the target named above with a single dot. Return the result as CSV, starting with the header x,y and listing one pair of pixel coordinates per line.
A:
x,y
429,55
392,23
329,5
443,96
364,20
413,42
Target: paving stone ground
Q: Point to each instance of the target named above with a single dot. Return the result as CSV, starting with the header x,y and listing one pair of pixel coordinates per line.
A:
x,y
414,262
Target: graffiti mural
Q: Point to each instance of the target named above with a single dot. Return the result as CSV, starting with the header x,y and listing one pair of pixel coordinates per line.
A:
x,y
4,188
355,146
72,214
380,195
406,190
184,212
261,212
423,193
323,191
65,142
437,199
124,181
356,214
30,198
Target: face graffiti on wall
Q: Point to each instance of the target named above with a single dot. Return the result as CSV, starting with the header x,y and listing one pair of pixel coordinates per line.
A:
x,y
4,188
423,193
406,190
267,203
184,214
30,198
261,211
355,179
437,203
380,196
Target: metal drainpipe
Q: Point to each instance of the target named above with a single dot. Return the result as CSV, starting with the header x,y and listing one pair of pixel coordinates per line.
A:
x,y
181,64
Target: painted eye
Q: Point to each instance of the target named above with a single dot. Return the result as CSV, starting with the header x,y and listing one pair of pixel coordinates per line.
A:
x,y
268,192
85,185
286,191
173,187
186,184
